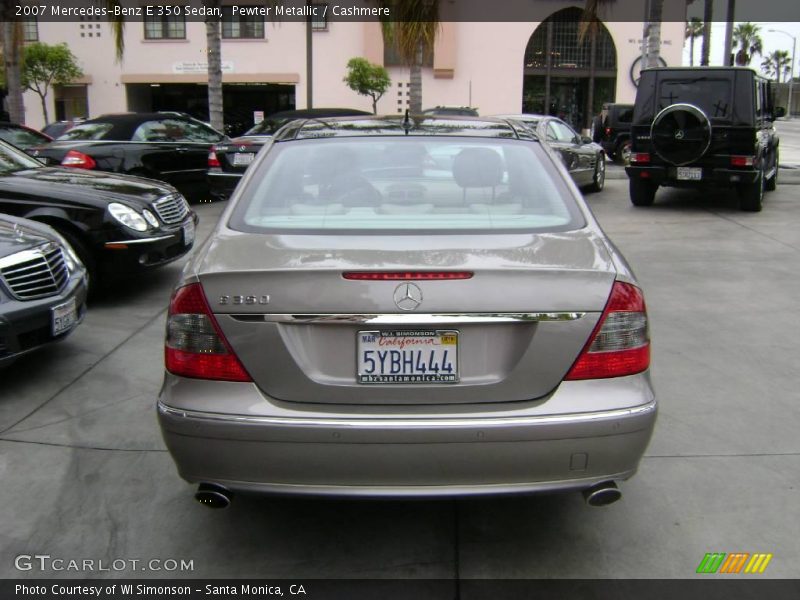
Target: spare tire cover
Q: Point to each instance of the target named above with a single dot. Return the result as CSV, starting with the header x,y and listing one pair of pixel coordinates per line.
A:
x,y
681,134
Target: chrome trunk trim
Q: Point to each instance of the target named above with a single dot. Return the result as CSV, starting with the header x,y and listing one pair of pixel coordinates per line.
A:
x,y
409,318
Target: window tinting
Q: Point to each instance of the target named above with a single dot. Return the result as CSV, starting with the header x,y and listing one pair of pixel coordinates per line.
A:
x,y
12,160
23,138
174,130
87,131
712,96
406,184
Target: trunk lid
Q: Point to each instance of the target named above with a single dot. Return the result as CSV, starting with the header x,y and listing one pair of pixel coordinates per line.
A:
x,y
521,319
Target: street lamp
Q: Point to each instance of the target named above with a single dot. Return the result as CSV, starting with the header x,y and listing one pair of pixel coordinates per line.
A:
x,y
791,70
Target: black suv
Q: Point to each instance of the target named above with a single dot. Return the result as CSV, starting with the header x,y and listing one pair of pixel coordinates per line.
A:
x,y
704,126
612,130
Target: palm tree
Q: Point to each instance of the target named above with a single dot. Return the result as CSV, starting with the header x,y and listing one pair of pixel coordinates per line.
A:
x,y
653,34
694,29
777,64
214,49
12,52
708,17
746,37
412,31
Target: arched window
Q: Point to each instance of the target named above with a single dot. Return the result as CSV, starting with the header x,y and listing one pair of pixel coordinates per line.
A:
x,y
565,51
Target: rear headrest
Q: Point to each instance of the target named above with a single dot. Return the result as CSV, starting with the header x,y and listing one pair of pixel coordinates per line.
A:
x,y
478,167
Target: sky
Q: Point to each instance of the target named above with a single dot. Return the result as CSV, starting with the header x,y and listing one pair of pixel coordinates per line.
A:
x,y
771,41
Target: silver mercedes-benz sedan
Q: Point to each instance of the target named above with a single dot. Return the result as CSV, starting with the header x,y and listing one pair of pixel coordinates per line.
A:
x,y
407,307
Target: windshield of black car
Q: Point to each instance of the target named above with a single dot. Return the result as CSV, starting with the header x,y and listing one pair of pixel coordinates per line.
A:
x,y
396,185
19,136
266,127
711,95
13,160
175,130
87,131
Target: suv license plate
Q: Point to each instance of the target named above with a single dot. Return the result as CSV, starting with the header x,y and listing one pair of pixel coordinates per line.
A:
x,y
407,356
242,159
690,173
64,317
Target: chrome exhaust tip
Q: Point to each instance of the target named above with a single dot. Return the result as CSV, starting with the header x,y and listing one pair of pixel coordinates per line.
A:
x,y
602,494
213,495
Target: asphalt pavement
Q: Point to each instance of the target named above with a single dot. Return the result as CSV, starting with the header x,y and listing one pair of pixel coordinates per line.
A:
x,y
85,474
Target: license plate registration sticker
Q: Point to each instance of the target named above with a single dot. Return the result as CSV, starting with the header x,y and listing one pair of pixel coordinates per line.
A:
x,y
690,173
64,316
407,356
242,159
188,232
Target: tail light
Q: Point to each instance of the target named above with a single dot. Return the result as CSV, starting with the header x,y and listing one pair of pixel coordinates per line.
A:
x,y
742,161
640,157
213,161
195,345
608,131
79,160
620,344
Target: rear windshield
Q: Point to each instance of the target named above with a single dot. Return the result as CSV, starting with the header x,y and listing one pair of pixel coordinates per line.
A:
x,y
400,185
711,95
87,131
267,127
24,138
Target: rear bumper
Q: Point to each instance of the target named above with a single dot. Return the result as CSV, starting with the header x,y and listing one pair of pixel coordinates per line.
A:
x,y
667,176
503,451
221,184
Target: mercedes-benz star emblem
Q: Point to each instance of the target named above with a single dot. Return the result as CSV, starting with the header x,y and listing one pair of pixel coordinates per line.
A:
x,y
407,296
679,134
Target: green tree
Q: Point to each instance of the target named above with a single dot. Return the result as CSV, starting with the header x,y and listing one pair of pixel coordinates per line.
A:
x,y
13,48
412,31
694,29
747,39
44,65
367,79
777,64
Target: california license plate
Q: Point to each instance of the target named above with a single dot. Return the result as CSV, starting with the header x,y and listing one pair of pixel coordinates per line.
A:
x,y
690,173
64,316
188,232
408,356
242,159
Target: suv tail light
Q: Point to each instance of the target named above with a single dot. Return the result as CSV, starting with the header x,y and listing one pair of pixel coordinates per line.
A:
x,y
620,343
79,160
213,161
640,157
195,346
742,161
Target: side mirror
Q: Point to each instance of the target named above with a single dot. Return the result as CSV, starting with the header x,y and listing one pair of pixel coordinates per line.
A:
x,y
779,112
586,140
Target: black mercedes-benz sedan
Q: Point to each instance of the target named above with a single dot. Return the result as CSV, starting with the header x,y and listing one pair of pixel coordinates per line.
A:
x,y
116,224
42,287
171,147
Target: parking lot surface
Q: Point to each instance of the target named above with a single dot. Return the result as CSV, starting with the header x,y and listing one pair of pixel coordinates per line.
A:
x,y
85,475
